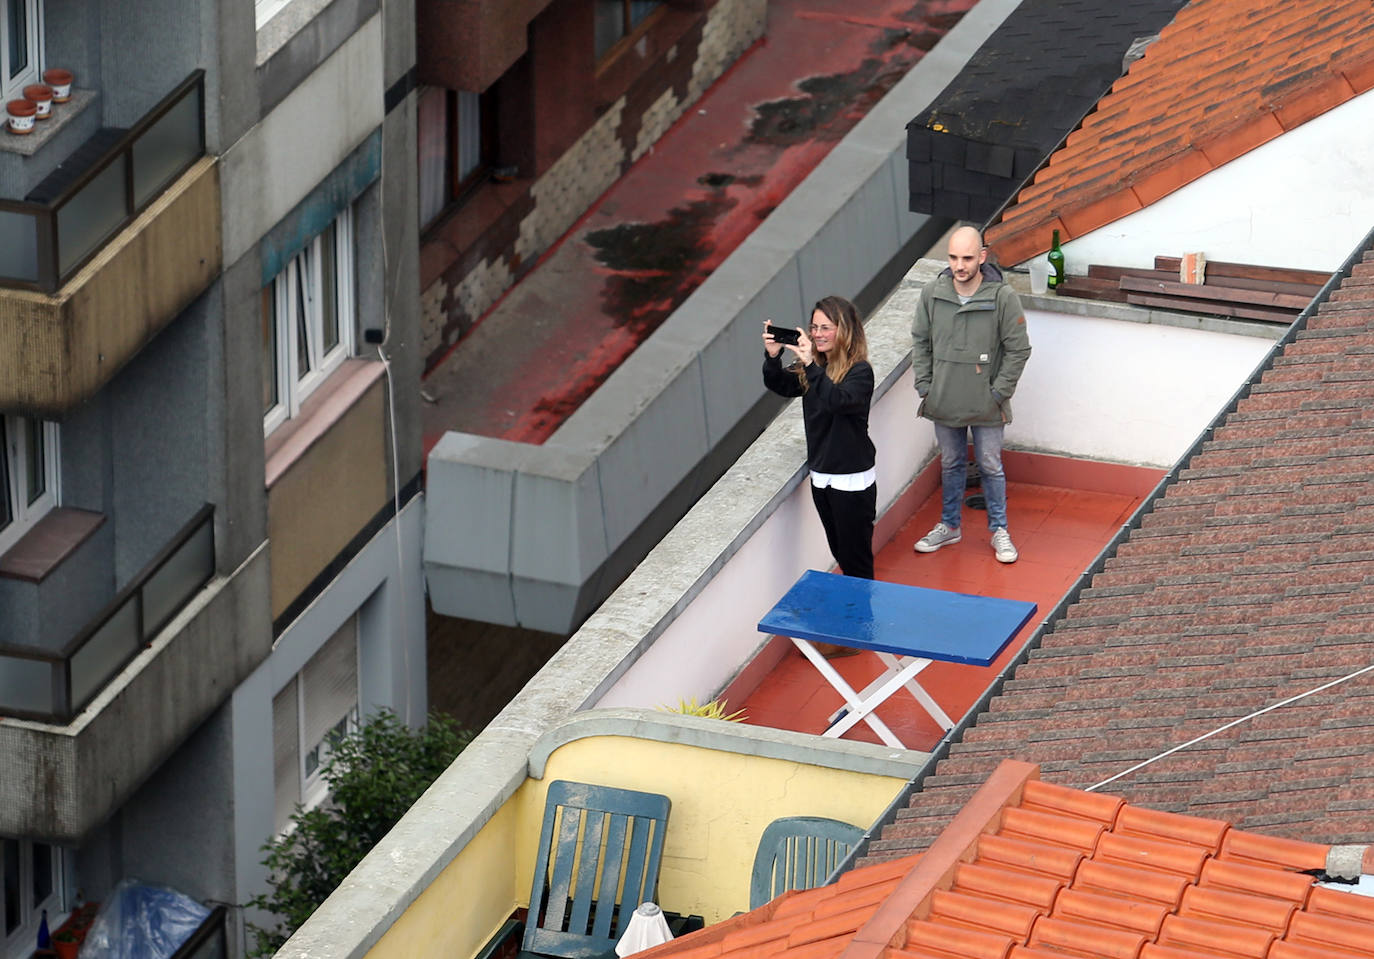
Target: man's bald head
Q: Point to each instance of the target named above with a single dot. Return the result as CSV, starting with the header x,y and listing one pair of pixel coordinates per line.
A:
x,y
966,256
966,239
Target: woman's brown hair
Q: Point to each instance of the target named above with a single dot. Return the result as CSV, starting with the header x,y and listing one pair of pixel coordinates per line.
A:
x,y
850,344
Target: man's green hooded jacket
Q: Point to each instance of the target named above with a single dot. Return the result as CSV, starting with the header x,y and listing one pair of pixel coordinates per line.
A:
x,y
968,357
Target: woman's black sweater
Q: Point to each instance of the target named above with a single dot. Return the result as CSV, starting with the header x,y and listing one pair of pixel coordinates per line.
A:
x,y
835,414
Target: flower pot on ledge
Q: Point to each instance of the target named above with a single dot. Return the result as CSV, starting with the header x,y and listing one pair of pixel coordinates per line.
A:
x,y
21,116
40,94
61,82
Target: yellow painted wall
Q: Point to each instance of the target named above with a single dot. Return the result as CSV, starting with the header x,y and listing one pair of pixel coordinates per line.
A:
x,y
64,348
326,496
722,801
467,903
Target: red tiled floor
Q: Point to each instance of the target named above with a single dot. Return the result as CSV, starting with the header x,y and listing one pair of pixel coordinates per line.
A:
x,y
1058,530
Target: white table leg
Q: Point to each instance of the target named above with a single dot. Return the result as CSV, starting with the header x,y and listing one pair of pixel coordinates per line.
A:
x,y
858,706
917,691
897,665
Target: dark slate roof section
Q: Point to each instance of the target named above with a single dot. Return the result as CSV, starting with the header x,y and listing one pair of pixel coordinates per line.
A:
x,y
1020,94
1250,580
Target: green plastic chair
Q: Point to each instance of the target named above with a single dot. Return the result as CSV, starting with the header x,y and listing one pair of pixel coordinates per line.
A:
x,y
799,852
600,849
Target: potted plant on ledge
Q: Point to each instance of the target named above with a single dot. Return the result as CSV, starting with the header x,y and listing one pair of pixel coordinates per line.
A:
x,y
65,943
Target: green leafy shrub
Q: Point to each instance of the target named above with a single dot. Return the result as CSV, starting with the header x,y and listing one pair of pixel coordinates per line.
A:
x,y
375,774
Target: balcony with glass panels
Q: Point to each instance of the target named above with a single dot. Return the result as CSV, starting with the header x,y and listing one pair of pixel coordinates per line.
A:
x,y
106,250
99,685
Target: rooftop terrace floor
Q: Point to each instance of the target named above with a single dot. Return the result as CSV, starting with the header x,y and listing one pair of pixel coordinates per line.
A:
x,y
1058,531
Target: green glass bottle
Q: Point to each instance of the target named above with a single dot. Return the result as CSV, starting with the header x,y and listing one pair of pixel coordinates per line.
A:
x,y
1056,258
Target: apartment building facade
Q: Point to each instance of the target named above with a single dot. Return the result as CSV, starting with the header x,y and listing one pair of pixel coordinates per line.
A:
x,y
528,112
209,496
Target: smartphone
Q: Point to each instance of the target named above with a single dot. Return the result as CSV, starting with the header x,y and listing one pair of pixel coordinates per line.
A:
x,y
783,335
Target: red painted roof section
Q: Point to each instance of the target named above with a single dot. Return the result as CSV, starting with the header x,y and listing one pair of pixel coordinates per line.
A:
x,y
1224,77
1030,870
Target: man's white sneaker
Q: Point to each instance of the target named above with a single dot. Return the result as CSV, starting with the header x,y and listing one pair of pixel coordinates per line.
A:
x,y
941,535
1002,546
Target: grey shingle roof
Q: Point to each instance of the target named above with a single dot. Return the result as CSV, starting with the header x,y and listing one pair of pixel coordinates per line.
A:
x,y
1023,90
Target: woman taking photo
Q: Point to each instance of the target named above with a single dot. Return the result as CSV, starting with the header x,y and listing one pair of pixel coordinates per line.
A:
x,y
830,372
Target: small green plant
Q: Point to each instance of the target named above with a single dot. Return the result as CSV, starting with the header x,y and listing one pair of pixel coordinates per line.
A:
x,y
715,709
374,776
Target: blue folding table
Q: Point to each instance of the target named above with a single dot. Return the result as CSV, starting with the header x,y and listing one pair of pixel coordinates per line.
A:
x,y
908,627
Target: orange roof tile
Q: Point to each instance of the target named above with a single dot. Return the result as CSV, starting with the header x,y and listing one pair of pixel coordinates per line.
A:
x,y
1224,77
1030,870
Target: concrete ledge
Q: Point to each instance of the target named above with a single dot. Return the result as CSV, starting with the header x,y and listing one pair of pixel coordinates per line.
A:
x,y
727,737
62,781
1128,313
688,386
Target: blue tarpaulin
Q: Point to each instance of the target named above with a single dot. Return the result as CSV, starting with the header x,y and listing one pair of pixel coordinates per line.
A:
x,y
139,921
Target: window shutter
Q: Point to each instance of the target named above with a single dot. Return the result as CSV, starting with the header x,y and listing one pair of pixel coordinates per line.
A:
x,y
329,683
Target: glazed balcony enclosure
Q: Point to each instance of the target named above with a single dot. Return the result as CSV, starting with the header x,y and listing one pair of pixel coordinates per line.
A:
x,y
53,685
97,688
96,259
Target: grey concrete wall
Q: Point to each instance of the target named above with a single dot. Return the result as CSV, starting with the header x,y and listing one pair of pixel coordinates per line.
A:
x,y
236,457
146,48
158,419
61,782
269,170
533,536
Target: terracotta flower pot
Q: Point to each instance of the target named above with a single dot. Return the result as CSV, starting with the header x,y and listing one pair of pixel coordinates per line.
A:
x,y
66,948
61,82
41,96
21,115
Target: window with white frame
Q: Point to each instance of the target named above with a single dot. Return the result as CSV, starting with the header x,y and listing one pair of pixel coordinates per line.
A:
x,y
28,475
32,873
20,33
309,716
452,138
616,19
307,321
